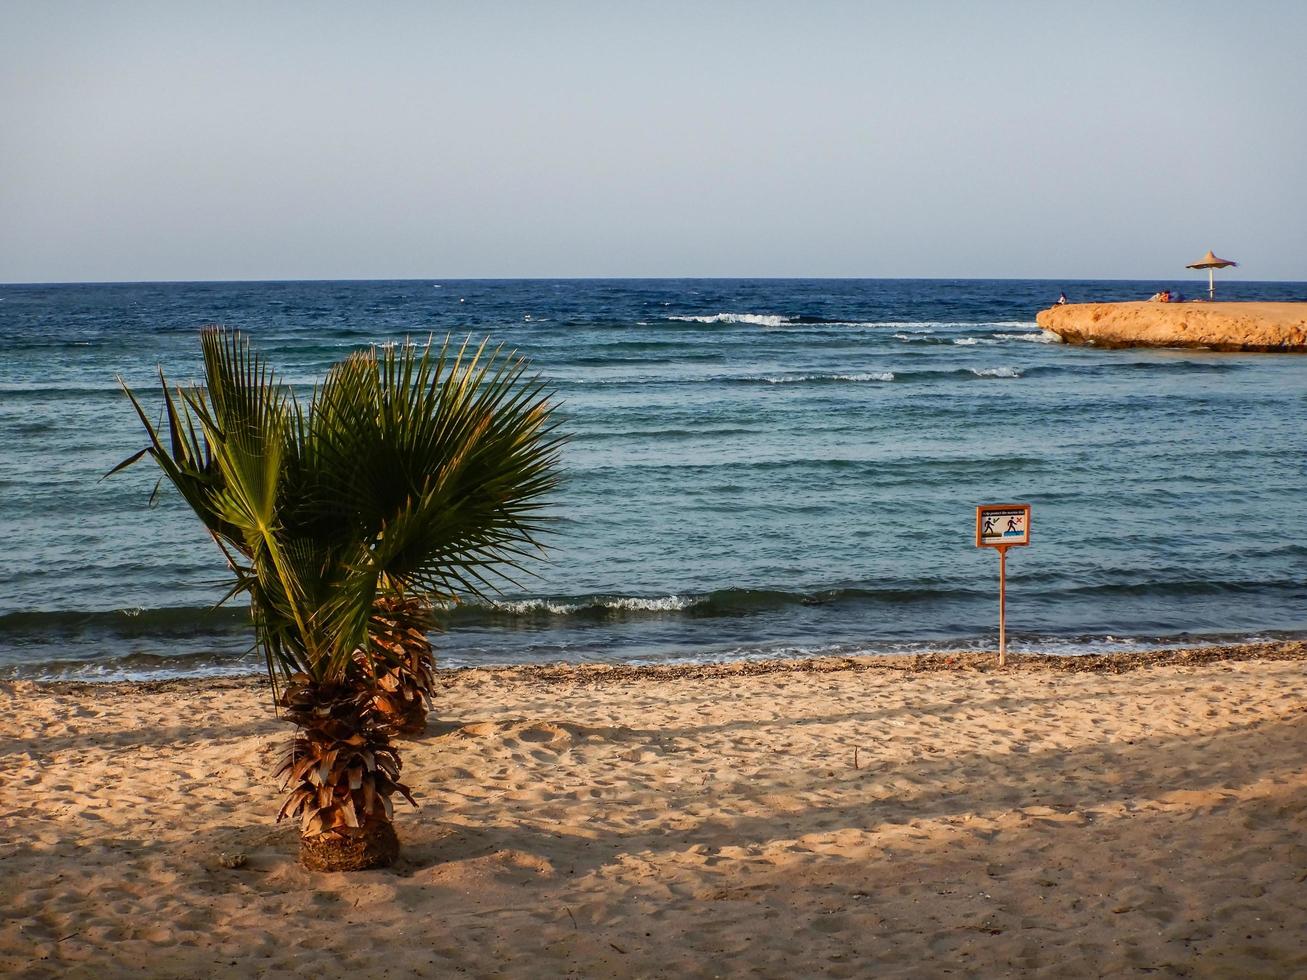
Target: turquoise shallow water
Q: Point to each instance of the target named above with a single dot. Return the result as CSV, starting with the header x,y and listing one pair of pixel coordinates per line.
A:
x,y
756,468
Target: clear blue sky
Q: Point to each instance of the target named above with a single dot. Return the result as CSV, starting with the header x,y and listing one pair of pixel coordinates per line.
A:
x,y
318,140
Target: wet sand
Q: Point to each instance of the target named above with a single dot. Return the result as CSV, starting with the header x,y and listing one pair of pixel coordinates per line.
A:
x,y
867,817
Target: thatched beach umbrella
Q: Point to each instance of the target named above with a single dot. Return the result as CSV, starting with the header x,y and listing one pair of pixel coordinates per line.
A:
x,y
1210,262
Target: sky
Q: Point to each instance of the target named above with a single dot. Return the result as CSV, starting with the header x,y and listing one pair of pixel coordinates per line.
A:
x,y
287,140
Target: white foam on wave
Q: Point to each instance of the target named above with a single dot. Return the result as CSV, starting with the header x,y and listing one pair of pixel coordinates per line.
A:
x,y
1034,337
973,341
758,319
95,673
998,372
668,603
528,606
915,326
802,378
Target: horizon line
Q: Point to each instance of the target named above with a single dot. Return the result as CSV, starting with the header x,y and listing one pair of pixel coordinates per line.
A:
x,y
833,278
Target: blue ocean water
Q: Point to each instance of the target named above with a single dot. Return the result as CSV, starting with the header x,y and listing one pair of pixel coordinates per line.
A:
x,y
756,468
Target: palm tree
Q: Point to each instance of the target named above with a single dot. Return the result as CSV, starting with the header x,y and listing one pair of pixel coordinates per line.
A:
x,y
413,474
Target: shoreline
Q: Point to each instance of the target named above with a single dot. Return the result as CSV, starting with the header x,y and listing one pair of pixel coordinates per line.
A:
x,y
829,817
599,673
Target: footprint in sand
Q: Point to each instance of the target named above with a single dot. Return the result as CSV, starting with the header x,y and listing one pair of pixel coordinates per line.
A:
x,y
544,733
518,729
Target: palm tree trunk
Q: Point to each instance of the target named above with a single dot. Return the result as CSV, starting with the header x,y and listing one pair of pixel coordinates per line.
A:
x,y
342,771
406,662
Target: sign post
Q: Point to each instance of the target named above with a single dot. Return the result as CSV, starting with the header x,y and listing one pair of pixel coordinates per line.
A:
x,y
1002,526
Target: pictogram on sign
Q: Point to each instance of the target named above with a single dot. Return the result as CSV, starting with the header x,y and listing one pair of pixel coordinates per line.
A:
x,y
999,525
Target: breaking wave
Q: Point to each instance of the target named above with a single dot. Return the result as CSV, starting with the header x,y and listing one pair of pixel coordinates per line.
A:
x,y
758,319
803,320
1034,337
787,379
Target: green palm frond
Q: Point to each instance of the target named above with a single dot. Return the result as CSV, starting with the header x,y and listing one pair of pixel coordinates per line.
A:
x,y
440,462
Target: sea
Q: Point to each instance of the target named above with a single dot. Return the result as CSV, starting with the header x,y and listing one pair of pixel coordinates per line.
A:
x,y
755,468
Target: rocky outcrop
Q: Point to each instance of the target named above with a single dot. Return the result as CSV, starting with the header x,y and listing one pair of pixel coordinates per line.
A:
x,y
1216,326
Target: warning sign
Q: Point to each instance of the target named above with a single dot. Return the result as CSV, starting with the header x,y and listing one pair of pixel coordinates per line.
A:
x,y
999,525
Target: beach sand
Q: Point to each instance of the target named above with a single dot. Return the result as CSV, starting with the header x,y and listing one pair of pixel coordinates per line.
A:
x,y
877,817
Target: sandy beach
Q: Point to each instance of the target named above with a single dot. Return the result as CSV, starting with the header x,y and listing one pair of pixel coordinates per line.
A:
x,y
910,816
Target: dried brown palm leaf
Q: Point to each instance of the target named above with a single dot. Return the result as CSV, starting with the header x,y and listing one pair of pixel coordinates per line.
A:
x,y
341,772
403,661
